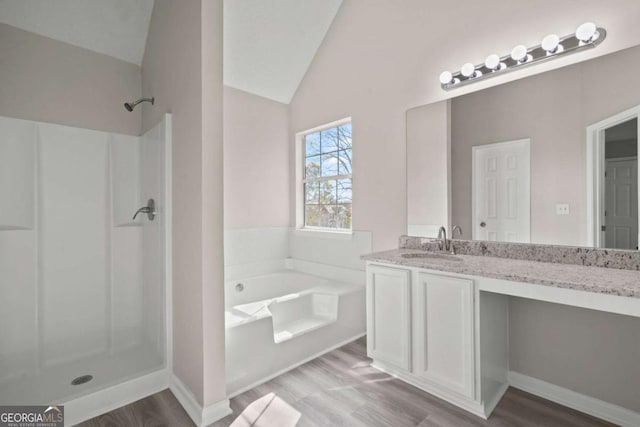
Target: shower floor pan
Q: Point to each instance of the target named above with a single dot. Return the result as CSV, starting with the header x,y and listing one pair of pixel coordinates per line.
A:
x,y
53,384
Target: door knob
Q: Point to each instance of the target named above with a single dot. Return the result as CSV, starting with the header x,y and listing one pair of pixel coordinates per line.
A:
x,y
483,224
150,210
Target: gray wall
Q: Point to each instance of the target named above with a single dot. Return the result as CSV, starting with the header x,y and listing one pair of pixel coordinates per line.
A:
x,y
591,352
46,80
182,68
553,109
256,150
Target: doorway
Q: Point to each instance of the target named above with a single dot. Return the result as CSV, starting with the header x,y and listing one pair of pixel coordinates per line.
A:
x,y
621,186
612,181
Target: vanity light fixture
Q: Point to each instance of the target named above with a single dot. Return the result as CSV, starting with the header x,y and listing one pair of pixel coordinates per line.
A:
x,y
587,32
447,78
469,71
551,44
587,35
494,63
520,54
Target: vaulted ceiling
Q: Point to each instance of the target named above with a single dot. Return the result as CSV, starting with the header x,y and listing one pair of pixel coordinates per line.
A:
x,y
269,44
116,28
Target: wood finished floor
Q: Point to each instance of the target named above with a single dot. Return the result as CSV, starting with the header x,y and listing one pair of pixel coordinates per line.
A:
x,y
342,389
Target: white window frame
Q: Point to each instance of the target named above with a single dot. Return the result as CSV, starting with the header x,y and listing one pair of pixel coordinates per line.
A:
x,y
300,180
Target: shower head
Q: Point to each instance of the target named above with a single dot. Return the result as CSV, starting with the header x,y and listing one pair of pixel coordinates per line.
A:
x,y
131,105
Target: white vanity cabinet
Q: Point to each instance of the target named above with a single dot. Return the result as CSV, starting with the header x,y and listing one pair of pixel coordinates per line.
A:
x,y
389,315
448,333
423,327
443,332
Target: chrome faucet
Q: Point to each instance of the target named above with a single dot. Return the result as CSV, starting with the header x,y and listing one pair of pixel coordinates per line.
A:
x,y
453,236
446,244
442,237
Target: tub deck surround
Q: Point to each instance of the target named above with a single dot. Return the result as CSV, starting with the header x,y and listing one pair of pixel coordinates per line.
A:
x,y
611,281
294,313
287,312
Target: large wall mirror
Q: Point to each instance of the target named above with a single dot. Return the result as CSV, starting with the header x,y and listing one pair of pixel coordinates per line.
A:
x,y
550,159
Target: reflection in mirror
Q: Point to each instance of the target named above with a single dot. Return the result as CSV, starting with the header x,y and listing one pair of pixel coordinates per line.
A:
x,y
621,186
612,209
501,191
549,159
428,169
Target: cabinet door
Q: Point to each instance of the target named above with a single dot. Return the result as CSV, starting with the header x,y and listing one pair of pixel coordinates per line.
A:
x,y
444,332
389,315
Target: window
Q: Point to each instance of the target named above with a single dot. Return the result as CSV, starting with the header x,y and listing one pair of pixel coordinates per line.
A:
x,y
326,178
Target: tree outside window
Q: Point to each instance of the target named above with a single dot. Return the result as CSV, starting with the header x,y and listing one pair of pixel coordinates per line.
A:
x,y
327,181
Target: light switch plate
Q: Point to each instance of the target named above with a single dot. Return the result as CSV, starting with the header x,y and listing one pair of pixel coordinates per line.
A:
x,y
562,209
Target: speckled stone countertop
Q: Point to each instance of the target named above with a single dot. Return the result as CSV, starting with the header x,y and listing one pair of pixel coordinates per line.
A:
x,y
569,276
588,257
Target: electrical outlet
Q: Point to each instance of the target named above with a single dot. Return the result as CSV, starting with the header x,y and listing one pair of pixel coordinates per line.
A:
x,y
562,209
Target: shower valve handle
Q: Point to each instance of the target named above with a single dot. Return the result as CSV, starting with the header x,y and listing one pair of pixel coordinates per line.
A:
x,y
150,210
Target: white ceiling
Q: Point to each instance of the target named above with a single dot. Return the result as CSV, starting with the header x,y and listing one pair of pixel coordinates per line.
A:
x,y
269,44
116,28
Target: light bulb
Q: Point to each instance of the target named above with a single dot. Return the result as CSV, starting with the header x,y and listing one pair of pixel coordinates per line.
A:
x,y
551,44
519,53
493,63
446,77
468,70
587,32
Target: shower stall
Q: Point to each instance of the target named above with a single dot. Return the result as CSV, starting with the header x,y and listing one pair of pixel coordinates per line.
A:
x,y
84,292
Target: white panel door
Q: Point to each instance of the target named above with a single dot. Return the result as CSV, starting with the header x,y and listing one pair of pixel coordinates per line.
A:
x,y
501,192
444,332
621,206
389,316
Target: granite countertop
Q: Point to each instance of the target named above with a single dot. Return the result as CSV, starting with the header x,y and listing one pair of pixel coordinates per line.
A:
x,y
591,279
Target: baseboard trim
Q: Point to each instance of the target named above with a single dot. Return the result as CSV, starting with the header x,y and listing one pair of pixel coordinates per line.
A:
x,y
215,412
580,402
94,404
293,366
490,406
201,417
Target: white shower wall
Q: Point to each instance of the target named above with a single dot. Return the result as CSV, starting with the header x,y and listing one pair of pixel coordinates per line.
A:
x,y
78,277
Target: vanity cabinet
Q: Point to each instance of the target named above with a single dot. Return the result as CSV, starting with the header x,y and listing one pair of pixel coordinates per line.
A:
x,y
443,332
424,326
421,328
447,333
389,316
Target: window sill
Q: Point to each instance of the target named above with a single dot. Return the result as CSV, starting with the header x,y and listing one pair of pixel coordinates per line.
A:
x,y
324,234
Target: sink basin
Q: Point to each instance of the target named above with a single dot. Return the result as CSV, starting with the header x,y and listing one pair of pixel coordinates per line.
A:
x,y
433,256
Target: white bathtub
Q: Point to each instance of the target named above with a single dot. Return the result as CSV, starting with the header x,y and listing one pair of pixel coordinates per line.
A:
x,y
279,320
